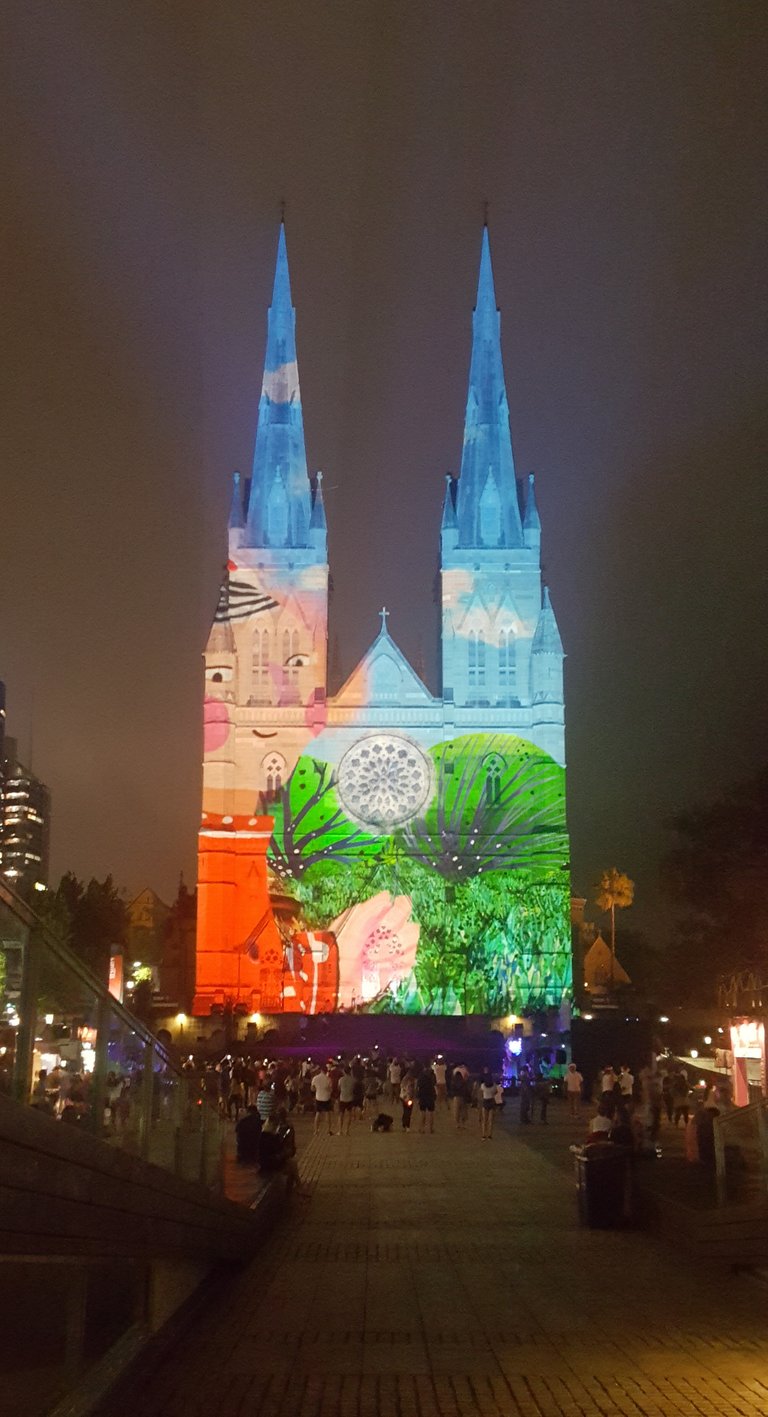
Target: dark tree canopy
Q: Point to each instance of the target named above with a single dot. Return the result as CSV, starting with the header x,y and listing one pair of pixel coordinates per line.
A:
x,y
91,919
716,878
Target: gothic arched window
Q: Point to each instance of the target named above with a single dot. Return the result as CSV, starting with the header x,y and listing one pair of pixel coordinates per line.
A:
x,y
507,662
494,772
472,659
480,660
273,769
260,665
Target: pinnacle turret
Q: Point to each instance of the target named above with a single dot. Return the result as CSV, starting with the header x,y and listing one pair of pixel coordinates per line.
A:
x,y
449,504
317,520
531,520
546,639
236,510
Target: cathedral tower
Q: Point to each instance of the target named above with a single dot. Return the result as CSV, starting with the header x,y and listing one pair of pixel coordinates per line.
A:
x,y
502,659
266,656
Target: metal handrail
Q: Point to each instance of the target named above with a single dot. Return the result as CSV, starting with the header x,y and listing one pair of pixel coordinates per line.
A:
x,y
753,1111
70,961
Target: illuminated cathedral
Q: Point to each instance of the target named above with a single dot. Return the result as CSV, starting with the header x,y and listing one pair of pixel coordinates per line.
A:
x,y
382,848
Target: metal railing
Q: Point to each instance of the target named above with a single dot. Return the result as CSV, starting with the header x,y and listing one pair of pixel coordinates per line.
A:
x,y
741,1154
69,1049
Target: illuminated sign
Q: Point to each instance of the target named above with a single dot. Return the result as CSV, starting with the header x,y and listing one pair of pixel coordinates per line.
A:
x,y
116,977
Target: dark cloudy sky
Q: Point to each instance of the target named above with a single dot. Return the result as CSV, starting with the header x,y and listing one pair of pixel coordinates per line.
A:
x,y
145,151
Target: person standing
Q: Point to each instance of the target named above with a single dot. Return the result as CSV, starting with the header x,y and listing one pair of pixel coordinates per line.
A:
x,y
607,1084
406,1097
680,1094
574,1083
426,1096
440,1070
322,1088
487,1104
459,1098
543,1090
235,1102
526,1095
666,1095
265,1100
626,1084
394,1076
371,1091
346,1101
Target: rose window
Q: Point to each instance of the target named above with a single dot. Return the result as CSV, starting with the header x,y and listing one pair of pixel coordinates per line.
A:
x,y
384,780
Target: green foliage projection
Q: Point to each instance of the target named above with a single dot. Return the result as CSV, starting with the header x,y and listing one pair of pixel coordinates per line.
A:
x,y
485,869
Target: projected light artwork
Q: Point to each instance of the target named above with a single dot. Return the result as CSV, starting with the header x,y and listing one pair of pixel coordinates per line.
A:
x,y
383,849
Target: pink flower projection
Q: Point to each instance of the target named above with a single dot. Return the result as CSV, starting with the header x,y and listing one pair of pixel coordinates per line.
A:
x,y
377,946
215,724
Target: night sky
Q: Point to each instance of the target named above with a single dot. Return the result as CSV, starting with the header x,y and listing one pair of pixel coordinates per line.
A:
x,y
146,150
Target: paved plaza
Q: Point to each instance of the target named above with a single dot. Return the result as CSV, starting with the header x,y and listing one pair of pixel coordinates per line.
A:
x,y
442,1276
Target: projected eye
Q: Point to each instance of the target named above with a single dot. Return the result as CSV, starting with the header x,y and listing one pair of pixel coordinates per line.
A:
x,y
297,661
219,673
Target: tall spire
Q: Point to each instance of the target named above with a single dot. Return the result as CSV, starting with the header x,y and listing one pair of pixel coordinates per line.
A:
x,y
279,508
487,510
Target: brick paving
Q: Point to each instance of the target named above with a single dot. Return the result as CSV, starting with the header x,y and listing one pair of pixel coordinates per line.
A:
x,y
441,1276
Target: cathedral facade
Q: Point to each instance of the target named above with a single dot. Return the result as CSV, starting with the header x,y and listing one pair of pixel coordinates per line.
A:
x,y
382,848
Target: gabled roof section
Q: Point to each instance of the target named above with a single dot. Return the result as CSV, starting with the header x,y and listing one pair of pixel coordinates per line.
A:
x,y
383,678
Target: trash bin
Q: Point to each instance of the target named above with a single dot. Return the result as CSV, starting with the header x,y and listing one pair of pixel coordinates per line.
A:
x,y
604,1185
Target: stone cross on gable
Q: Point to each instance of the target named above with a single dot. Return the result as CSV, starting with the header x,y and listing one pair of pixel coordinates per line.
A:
x,y
384,613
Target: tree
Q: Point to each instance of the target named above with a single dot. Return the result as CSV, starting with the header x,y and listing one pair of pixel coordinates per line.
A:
x,y
716,879
91,919
614,889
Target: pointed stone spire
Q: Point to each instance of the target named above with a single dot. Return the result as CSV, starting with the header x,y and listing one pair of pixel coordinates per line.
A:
x,y
546,639
531,522
317,520
236,513
487,511
279,508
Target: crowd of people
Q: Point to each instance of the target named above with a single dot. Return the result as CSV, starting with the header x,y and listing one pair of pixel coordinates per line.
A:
x,y
631,1109
259,1097
342,1092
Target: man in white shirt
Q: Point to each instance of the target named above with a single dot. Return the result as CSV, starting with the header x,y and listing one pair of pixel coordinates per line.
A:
x,y
607,1082
322,1088
626,1082
574,1083
394,1076
439,1069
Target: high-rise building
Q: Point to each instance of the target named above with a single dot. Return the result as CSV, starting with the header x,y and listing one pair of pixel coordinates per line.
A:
x,y
383,848
25,814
